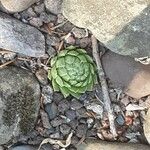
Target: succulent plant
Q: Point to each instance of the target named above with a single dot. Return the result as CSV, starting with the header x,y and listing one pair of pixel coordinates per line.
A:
x,y
72,72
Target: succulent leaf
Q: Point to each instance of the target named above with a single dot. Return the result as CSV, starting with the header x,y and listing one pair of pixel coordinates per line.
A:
x,y
72,72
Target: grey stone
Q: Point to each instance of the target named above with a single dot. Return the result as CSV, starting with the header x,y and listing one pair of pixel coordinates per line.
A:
x,y
79,33
98,145
123,26
71,114
54,6
30,147
120,120
23,147
76,104
52,40
46,18
39,8
81,130
36,21
19,102
1,148
127,74
17,5
63,106
57,97
41,75
47,93
51,110
45,119
20,38
57,121
65,129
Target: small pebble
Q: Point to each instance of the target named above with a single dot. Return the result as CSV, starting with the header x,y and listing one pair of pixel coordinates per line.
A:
x,y
74,140
51,51
91,133
57,121
79,33
39,8
45,119
125,101
120,120
81,130
37,22
55,135
63,106
74,124
65,129
46,18
85,42
51,110
75,104
57,97
70,40
71,114
90,122
52,40
47,93
41,75
81,113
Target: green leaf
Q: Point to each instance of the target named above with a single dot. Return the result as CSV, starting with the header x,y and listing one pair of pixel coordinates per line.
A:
x,y
73,53
69,59
73,82
81,51
59,81
82,58
67,85
90,86
53,61
89,59
49,75
66,77
76,95
92,69
60,62
55,85
95,79
82,89
62,53
62,72
71,47
64,91
54,72
79,84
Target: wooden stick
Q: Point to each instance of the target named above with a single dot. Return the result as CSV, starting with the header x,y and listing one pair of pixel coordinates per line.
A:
x,y
106,97
7,63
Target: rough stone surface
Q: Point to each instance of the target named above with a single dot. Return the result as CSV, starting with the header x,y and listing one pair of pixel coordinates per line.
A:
x,y
123,26
17,5
54,6
147,126
20,38
127,74
19,102
101,145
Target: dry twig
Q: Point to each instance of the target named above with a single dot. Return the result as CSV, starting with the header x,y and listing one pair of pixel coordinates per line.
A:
x,y
106,97
7,63
58,142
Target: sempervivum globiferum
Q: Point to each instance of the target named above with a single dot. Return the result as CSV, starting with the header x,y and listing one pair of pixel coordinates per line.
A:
x,y
72,72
